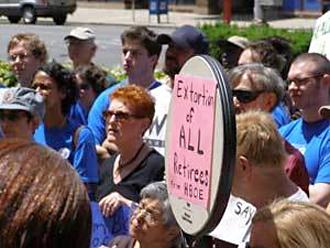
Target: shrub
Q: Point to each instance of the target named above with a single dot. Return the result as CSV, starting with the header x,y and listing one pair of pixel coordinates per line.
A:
x,y
117,73
299,39
6,77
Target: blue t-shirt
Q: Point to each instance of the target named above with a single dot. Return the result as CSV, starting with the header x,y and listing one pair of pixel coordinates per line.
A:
x,y
313,141
281,115
83,157
95,117
78,113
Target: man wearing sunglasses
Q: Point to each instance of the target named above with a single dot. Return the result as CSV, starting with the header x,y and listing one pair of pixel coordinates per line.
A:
x,y
21,111
309,88
256,87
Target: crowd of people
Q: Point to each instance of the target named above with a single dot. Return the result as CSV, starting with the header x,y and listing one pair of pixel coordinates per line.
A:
x,y
82,156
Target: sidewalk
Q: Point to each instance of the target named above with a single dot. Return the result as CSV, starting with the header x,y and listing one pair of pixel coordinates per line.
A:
x,y
115,14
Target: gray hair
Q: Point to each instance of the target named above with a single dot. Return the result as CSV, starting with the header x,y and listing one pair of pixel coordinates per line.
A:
x,y
158,191
261,77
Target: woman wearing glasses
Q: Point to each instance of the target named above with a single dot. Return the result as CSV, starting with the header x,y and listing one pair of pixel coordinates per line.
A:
x,y
135,164
152,223
91,81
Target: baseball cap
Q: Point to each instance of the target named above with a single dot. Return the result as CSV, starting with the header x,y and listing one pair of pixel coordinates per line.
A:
x,y
186,37
81,33
325,111
22,98
236,40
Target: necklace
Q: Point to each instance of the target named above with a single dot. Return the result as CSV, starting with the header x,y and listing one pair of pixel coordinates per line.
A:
x,y
121,164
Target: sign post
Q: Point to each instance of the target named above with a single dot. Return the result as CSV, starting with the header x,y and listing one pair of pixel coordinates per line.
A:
x,y
200,145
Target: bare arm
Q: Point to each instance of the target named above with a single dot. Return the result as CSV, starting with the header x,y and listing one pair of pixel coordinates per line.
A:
x,y
319,193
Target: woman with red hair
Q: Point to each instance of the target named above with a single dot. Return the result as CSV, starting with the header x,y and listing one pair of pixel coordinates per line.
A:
x,y
135,164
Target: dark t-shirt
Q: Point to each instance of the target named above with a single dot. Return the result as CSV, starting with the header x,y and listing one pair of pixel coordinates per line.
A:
x,y
151,169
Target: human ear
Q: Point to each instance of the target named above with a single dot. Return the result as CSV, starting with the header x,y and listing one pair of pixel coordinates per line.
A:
x,y
270,100
244,167
35,122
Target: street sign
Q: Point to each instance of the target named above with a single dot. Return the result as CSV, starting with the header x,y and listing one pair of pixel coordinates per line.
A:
x,y
200,145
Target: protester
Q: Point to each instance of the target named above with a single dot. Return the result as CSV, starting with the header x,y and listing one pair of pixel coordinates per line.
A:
x,y
21,112
284,49
262,52
152,223
140,53
91,81
309,89
259,176
183,43
26,53
81,46
291,225
136,164
231,50
73,141
42,202
256,87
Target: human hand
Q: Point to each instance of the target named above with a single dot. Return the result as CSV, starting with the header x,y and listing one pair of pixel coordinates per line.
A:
x,y
110,203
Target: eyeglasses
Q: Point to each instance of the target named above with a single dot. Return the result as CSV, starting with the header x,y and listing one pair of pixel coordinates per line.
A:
x,y
119,115
304,80
148,215
245,96
13,57
14,115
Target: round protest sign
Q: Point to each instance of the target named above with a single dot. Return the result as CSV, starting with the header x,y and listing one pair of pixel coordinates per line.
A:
x,y
200,145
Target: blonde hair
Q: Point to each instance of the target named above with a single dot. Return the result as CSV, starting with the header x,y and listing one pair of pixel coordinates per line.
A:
x,y
297,224
258,139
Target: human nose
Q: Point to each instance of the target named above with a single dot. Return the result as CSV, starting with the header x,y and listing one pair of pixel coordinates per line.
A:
x,y
237,104
293,85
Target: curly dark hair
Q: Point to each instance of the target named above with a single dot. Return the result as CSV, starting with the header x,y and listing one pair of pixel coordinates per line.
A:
x,y
95,76
65,81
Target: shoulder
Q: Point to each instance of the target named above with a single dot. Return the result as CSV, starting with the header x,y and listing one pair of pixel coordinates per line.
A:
x,y
155,157
161,89
292,126
104,96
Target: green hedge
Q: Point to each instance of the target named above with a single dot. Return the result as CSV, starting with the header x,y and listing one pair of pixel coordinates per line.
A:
x,y
299,39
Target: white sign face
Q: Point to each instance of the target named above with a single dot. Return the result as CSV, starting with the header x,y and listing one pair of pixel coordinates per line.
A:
x,y
321,36
235,225
199,166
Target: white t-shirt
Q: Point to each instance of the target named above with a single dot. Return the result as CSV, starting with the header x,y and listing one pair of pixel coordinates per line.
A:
x,y
155,135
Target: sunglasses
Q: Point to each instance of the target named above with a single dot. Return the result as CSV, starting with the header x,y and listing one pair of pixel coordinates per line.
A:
x,y
119,115
14,115
245,96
